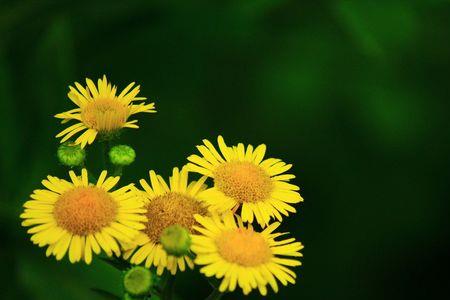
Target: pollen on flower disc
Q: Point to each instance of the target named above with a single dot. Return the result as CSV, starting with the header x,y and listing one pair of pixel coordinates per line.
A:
x,y
243,181
85,210
105,115
244,247
170,209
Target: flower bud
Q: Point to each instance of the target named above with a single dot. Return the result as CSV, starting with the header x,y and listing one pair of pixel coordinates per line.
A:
x,y
122,155
71,155
176,240
138,281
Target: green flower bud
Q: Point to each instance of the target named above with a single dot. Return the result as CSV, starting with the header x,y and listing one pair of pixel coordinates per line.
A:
x,y
176,240
122,155
71,155
138,281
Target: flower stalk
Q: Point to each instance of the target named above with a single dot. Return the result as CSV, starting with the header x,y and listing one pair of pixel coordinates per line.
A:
x,y
215,295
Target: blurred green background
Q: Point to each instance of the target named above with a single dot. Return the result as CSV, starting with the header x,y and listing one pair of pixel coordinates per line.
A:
x,y
354,93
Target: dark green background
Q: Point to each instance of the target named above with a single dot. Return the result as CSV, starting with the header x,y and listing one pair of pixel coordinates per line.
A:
x,y
353,93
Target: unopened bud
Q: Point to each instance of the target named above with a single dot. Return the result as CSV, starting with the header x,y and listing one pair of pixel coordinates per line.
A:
x,y
138,281
176,240
122,155
71,155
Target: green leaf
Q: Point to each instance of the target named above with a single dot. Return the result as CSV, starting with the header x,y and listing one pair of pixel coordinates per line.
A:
x,y
118,263
104,294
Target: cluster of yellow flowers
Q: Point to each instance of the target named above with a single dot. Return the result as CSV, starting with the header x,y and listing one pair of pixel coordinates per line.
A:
x,y
79,217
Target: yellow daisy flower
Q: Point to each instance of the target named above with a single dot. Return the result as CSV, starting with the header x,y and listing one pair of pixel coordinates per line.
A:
x,y
243,178
242,256
166,205
100,110
81,218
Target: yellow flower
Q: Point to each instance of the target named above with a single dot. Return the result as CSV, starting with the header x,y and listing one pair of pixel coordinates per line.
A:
x,y
81,218
100,110
166,205
242,256
243,178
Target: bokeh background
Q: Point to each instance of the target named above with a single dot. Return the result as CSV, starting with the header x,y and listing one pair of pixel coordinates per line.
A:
x,y
354,93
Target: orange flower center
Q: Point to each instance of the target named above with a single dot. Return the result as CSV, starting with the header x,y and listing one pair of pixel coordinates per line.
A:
x,y
243,181
85,210
170,209
105,114
244,247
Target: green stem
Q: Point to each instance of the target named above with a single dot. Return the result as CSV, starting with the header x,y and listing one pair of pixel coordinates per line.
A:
x,y
167,292
215,295
117,171
92,178
106,146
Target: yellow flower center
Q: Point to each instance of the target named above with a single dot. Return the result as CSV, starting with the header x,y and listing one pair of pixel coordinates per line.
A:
x,y
170,209
85,210
105,114
244,247
243,181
